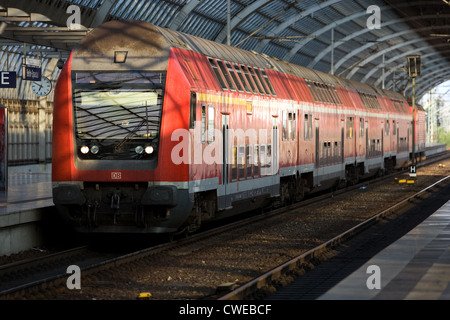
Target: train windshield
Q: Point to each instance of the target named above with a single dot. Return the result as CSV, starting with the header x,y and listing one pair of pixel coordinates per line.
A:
x,y
118,112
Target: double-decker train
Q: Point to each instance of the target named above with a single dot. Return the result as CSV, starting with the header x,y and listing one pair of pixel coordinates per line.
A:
x,y
156,131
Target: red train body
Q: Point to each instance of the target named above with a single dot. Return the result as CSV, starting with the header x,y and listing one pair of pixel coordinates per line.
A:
x,y
156,131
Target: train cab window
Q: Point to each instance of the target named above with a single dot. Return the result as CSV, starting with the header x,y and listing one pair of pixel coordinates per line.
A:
x,y
350,126
227,76
241,77
256,161
203,125
218,74
249,79
252,73
234,76
308,126
241,162
211,123
249,162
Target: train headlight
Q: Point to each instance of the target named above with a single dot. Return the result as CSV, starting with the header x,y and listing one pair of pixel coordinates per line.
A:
x,y
95,149
84,149
149,149
139,149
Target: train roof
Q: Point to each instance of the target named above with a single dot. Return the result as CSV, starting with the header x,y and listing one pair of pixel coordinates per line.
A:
x,y
154,43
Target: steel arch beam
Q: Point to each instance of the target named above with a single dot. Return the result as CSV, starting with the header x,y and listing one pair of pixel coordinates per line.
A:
x,y
183,14
404,55
284,25
390,82
357,34
305,41
379,53
240,17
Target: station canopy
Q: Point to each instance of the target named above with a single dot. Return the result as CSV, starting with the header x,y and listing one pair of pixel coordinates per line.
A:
x,y
362,40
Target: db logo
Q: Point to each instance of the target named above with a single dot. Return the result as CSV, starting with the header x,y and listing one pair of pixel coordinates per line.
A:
x,y
116,175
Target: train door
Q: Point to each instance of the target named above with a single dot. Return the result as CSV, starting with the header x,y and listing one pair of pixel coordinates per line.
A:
x,y
317,142
368,151
275,153
274,146
225,160
342,141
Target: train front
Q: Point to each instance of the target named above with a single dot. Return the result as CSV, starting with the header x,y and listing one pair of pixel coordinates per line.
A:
x,y
109,141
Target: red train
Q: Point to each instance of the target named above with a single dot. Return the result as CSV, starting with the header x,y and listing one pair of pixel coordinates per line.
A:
x,y
156,131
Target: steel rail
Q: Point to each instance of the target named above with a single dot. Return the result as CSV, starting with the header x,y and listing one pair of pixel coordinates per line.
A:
x,y
267,278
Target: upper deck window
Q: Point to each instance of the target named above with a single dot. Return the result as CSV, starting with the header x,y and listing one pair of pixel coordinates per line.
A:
x,y
218,74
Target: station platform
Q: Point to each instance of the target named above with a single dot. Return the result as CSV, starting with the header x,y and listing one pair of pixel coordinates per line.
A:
x,y
417,266
22,206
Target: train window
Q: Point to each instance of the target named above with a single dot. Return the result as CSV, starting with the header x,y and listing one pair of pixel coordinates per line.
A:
x,y
211,123
230,82
294,126
218,74
242,78
268,82
284,132
256,161
387,128
337,95
249,153
234,76
361,127
260,78
234,164
241,162
350,126
320,92
192,110
327,93
252,73
249,79
394,128
311,89
262,155
308,126
290,127
203,125
269,156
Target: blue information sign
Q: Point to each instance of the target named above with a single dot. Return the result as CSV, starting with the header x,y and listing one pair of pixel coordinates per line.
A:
x,y
7,79
32,73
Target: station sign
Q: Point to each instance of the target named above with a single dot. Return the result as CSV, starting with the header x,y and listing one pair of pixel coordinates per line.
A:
x,y
412,171
8,79
32,69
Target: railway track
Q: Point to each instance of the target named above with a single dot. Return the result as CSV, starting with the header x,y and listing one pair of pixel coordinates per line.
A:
x,y
40,286
259,285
